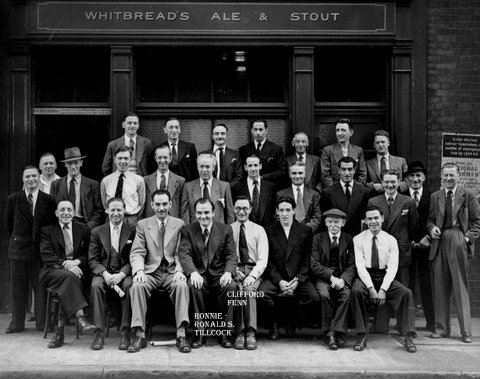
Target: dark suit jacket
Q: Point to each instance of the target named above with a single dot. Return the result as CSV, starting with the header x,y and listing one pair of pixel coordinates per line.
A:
x,y
52,247
218,257
422,210
143,155
23,228
187,160
467,211
266,201
91,202
312,172
274,167
401,221
175,187
334,197
321,255
329,164
396,163
232,172
311,202
290,258
100,250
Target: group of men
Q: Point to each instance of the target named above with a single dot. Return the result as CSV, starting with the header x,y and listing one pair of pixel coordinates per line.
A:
x,y
233,226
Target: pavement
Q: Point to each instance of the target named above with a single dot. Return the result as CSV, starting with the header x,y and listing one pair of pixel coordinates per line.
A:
x,y
25,355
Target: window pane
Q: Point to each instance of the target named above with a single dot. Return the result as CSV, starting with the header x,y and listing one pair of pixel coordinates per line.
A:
x,y
155,76
268,76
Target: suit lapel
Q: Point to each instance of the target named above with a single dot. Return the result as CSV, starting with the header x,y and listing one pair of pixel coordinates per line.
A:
x,y
307,199
292,239
441,207
262,200
213,242
76,238
83,193
151,182
140,148
153,230
197,192
459,200
200,244
337,151
39,206
215,193
340,197
326,245
124,233
309,168
374,167
279,234
170,231
395,210
181,150
172,184
106,239
354,199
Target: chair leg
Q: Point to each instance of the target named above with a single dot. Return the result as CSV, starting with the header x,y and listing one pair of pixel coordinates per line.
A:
x,y
109,310
47,316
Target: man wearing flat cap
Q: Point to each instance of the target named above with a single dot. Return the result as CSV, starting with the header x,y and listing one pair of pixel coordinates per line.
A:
x,y
82,192
333,269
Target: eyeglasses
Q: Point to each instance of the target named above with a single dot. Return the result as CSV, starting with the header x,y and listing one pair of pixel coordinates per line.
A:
x,y
242,209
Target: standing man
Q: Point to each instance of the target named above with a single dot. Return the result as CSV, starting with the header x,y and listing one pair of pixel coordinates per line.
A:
x,y
155,265
164,179
82,192
454,225
333,272
27,211
420,265
376,259
229,164
126,185
207,255
140,149
184,154
307,201
208,187
64,250
347,196
312,162
288,269
332,154
47,166
384,161
260,192
252,257
273,165
400,220
109,261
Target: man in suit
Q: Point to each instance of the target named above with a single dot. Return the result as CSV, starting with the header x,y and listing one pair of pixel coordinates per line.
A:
x,y
252,257
288,268
400,220
184,154
420,266
384,161
260,192
64,251
47,166
347,196
27,211
332,154
109,261
312,162
273,165
163,179
208,257
208,187
333,271
454,225
229,164
82,192
155,265
140,148
376,260
307,210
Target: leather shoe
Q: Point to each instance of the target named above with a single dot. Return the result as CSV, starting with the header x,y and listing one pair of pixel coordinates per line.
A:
x,y
124,342
198,341
137,344
226,343
85,326
437,335
361,343
430,327
182,345
341,340
274,333
13,329
57,338
98,341
332,341
467,339
239,343
410,345
251,341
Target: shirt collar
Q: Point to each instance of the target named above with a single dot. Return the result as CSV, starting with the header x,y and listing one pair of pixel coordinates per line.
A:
x,y
78,178
34,193
379,157
420,191
336,235
295,188
160,222
69,225
250,181
453,190
215,148
166,173
113,226
209,228
393,197
127,139
209,182
350,185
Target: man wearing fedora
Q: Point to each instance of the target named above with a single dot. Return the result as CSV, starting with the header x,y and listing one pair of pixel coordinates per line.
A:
x,y
82,192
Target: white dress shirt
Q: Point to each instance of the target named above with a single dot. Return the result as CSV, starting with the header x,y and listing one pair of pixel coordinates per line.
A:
x,y
34,198
420,193
216,153
209,186
250,186
132,165
159,178
387,161
78,183
133,191
45,186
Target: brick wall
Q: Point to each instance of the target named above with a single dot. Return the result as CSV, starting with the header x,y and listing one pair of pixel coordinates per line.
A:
x,y
453,89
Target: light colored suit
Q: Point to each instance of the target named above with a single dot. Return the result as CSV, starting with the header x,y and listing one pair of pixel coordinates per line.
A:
x,y
329,164
396,163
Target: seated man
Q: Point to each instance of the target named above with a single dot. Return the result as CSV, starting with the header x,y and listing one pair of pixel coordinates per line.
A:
x,y
207,254
252,250
155,265
333,269
290,247
64,249
376,258
109,261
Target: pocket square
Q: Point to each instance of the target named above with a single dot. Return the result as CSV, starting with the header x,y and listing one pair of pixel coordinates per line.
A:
x,y
234,160
222,201
187,156
129,241
270,158
404,212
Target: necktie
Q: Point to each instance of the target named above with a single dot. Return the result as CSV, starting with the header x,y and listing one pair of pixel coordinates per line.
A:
x,y
68,242
383,164
255,195
242,245
116,238
174,155
300,208
448,223
220,162
163,182
390,202
375,262
347,192
161,239
257,151
71,192
416,198
205,236
131,147
205,190
119,190
30,203
334,242
300,158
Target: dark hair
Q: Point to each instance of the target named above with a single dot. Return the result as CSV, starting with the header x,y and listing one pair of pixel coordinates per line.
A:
x,y
389,172
220,124
259,120
450,165
111,200
122,149
347,160
204,201
162,192
382,133
285,199
131,114
373,208
243,197
344,121
170,119
30,167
